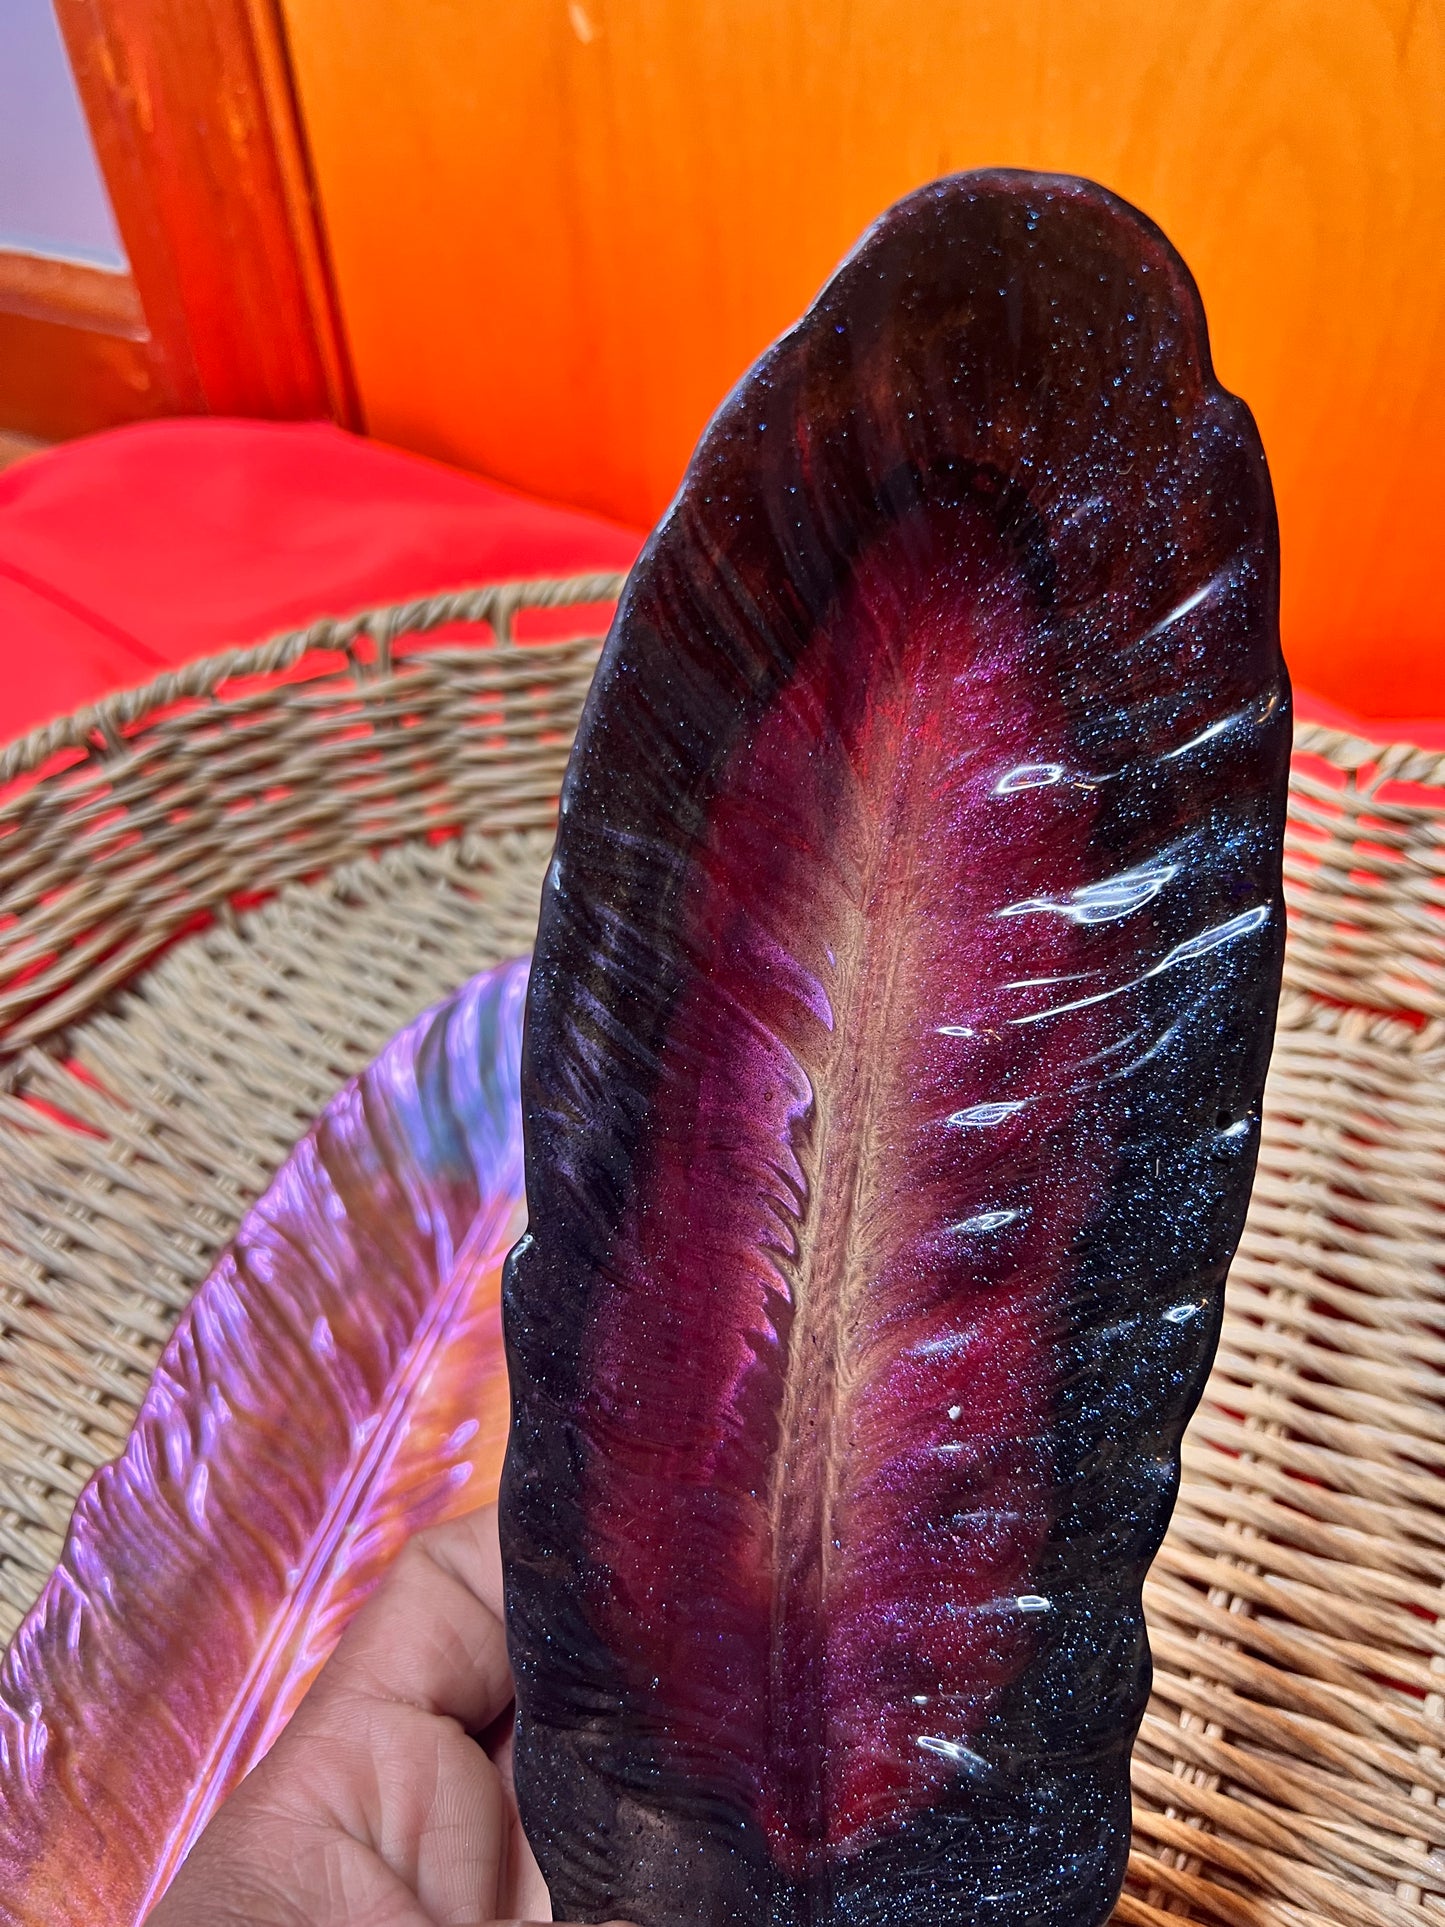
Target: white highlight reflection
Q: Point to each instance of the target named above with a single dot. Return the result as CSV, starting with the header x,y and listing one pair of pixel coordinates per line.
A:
x,y
1117,896
1029,776
1204,736
1192,948
987,1221
955,1754
980,1115
1190,602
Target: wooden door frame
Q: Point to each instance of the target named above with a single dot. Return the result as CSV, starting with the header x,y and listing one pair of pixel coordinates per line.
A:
x,y
229,306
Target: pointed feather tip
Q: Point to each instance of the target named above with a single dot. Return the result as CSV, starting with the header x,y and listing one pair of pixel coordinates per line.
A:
x,y
337,1382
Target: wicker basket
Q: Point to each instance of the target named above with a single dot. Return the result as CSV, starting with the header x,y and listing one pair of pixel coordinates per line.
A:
x,y
223,892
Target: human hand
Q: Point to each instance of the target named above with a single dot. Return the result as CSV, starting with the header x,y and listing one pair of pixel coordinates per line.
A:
x,y
376,1807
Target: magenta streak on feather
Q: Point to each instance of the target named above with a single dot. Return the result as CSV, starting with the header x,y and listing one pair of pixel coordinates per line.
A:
x,y
825,1567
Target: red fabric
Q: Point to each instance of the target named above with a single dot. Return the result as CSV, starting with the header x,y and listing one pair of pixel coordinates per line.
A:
x,y
129,552
1426,732
126,553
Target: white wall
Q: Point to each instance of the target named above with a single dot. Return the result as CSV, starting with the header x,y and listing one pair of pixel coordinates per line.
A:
x,y
52,198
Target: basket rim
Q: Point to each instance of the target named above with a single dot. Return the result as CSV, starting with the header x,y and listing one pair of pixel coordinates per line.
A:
x,y
1392,761
99,728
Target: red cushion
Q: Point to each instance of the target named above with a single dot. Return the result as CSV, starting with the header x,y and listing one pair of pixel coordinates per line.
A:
x,y
1426,732
129,552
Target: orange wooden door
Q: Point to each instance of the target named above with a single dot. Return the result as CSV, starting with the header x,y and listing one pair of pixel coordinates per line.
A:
x,y
562,228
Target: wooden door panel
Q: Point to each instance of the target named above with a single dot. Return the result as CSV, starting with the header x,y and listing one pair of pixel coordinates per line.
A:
x,y
229,307
562,228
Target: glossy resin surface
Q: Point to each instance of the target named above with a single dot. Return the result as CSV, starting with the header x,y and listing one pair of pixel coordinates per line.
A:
x,y
891,1087
336,1383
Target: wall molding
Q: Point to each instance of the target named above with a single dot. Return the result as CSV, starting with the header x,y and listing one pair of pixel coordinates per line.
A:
x,y
71,294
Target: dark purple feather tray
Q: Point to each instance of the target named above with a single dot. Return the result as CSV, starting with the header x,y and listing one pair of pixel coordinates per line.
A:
x,y
895,1047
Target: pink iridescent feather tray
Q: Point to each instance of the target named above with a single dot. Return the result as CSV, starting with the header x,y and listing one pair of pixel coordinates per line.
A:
x,y
337,1383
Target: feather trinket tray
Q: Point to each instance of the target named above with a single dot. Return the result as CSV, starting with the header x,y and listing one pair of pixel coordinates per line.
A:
x,y
896,1040
336,1384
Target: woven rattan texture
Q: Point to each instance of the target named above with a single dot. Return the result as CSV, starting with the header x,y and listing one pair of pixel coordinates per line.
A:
x,y
1292,1763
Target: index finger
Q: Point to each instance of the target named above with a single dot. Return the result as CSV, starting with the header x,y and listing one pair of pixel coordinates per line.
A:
x,y
432,1635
